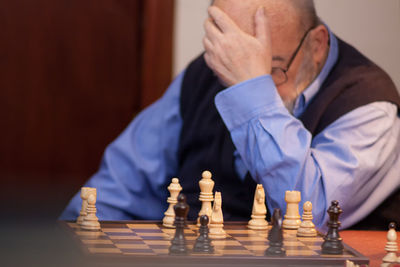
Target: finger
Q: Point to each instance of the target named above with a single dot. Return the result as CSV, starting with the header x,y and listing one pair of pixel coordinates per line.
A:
x,y
208,46
262,29
213,61
218,70
212,32
208,60
215,52
222,20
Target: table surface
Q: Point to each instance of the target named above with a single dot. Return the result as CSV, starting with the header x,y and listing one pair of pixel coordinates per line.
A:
x,y
369,243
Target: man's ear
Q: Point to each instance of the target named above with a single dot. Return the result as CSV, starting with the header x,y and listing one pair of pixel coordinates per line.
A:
x,y
319,43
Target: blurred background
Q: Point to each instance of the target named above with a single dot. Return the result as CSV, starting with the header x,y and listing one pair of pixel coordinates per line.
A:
x,y
73,74
372,26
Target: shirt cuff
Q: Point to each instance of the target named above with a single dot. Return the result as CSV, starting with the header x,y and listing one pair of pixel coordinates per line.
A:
x,y
246,100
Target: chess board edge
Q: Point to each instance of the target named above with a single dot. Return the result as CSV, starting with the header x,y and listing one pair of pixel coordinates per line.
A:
x,y
197,259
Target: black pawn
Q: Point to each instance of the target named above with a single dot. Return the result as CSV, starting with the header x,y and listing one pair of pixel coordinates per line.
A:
x,y
333,242
178,243
203,243
275,236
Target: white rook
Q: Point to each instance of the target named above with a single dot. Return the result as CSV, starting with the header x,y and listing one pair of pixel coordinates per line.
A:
x,y
91,222
84,196
292,216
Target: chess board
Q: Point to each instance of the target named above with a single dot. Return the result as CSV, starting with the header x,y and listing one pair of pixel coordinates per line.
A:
x,y
147,243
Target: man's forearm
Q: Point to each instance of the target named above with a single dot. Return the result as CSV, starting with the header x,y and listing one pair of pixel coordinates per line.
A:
x,y
280,153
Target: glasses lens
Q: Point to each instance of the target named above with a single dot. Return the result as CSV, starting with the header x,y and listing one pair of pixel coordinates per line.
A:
x,y
278,76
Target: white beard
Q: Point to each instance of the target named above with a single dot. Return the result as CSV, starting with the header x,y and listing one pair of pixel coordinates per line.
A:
x,y
289,104
304,78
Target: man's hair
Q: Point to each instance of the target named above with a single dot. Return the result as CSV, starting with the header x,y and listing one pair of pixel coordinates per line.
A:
x,y
307,13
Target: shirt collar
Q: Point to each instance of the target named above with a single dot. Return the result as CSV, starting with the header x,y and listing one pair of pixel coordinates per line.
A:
x,y
307,95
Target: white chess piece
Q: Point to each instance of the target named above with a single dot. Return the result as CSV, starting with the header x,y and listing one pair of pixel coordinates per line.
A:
x,y
391,246
259,212
307,227
292,216
84,196
174,188
91,222
216,227
351,264
206,195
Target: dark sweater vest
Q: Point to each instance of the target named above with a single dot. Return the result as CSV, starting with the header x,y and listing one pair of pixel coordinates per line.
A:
x,y
205,142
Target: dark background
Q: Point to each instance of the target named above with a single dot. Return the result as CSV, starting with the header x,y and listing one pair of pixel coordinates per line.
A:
x,y
73,74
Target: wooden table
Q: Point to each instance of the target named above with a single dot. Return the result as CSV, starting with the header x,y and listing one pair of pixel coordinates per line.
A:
x,y
370,244
33,244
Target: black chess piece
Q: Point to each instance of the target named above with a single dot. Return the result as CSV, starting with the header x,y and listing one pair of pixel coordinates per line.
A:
x,y
333,242
178,243
275,236
203,243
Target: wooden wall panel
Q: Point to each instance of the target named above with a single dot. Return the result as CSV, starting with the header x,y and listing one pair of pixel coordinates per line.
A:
x,y
73,73
158,38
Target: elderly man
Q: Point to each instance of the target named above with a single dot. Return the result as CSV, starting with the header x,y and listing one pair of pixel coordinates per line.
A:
x,y
275,99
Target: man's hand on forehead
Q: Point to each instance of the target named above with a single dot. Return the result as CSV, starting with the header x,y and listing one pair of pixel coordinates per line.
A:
x,y
232,54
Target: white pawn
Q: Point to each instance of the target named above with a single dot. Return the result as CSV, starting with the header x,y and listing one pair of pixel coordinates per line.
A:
x,y
307,227
174,188
91,222
292,216
84,196
259,212
391,246
206,195
216,227
351,264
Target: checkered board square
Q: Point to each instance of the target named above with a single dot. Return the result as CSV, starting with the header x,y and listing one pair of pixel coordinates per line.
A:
x,y
149,239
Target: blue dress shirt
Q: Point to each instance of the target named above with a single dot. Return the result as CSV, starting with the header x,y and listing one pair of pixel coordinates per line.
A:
x,y
350,161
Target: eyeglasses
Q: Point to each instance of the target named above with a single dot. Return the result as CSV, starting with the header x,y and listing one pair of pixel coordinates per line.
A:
x,y
279,75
